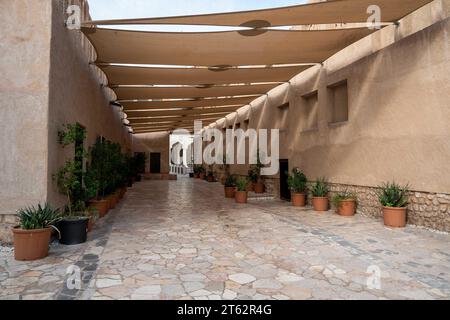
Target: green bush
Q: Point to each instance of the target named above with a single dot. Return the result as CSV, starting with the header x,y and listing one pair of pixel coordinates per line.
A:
x,y
393,195
320,188
33,218
297,181
230,182
242,184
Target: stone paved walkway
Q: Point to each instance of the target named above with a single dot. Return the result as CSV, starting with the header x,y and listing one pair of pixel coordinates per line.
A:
x,y
184,240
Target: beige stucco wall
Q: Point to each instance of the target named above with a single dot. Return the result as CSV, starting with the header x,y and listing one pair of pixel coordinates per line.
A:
x,y
76,95
158,142
46,81
399,115
24,64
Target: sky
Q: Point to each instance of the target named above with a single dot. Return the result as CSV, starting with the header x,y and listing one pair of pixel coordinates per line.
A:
x,y
121,9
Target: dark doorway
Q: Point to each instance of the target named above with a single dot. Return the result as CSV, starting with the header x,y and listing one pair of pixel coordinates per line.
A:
x,y
285,193
155,162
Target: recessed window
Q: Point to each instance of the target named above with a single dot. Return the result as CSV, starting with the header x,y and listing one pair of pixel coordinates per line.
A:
x,y
308,112
338,102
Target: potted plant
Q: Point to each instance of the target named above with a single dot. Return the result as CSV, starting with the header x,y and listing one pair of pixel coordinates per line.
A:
x,y
74,224
210,176
251,180
201,172
258,185
320,195
345,203
32,236
241,195
230,187
92,188
297,183
394,199
196,171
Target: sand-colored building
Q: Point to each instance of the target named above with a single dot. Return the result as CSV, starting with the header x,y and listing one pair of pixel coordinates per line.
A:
x,y
379,110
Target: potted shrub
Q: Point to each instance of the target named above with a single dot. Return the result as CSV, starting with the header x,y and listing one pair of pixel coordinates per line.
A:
x,y
230,187
345,203
258,185
92,188
320,195
298,185
196,172
241,192
210,176
251,180
394,199
32,236
73,226
201,172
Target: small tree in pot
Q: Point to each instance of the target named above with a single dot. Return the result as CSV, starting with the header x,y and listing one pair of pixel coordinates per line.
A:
x,y
345,203
297,183
320,192
32,236
241,195
394,199
230,187
73,226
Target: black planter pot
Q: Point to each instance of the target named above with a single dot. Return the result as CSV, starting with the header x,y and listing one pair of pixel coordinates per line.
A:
x,y
73,231
191,175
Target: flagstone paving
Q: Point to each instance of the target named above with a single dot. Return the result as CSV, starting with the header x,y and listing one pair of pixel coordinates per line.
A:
x,y
183,240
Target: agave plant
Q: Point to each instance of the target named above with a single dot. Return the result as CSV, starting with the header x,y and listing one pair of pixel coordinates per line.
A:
x,y
230,182
320,188
341,196
241,184
297,181
393,195
42,217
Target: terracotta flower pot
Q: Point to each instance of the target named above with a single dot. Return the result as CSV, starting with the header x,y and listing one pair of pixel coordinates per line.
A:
x,y
250,187
201,176
347,208
394,217
229,192
258,187
91,223
298,199
102,206
112,201
196,175
241,196
210,179
320,203
31,244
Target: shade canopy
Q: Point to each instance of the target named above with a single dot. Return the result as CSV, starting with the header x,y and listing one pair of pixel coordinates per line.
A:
x,y
124,93
126,75
168,77
331,11
220,48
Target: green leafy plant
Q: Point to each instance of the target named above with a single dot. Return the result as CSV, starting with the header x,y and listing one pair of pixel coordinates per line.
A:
x,y
297,181
320,188
393,195
230,182
241,184
69,178
342,196
39,217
